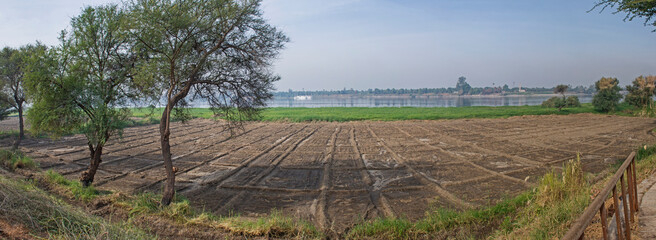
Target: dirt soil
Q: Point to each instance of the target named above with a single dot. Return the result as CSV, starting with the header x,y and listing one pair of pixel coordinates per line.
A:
x,y
338,174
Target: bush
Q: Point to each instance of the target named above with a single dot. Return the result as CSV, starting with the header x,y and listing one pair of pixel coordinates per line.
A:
x,y
557,102
608,95
572,101
553,102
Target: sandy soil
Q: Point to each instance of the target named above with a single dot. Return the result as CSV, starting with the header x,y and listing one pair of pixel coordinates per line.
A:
x,y
337,174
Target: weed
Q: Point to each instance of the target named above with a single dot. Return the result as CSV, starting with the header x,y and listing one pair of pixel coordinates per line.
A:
x,y
76,189
11,160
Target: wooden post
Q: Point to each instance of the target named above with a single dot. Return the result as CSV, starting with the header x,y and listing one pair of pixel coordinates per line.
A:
x,y
635,185
604,222
627,221
616,203
631,193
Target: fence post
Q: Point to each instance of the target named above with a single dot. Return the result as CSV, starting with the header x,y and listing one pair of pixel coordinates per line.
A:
x,y
616,203
627,222
604,222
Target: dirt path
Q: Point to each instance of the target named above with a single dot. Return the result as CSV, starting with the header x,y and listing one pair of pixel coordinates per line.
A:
x,y
337,174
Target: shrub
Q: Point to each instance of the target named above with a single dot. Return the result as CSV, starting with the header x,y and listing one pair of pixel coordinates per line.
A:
x,y
557,102
572,101
608,95
552,102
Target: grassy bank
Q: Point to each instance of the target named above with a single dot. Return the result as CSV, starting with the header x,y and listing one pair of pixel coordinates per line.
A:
x,y
180,213
46,216
341,114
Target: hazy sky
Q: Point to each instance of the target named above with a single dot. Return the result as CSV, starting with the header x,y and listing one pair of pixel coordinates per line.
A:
x,y
365,44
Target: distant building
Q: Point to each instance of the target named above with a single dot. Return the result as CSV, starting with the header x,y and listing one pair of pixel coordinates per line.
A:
x,y
301,98
520,89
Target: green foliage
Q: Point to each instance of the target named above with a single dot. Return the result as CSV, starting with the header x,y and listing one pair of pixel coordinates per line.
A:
x,y
559,199
632,8
77,190
608,95
561,89
641,92
221,70
645,152
572,101
26,204
81,84
12,62
554,102
11,160
5,108
8,134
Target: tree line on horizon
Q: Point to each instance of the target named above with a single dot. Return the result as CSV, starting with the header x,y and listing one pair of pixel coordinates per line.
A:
x,y
435,91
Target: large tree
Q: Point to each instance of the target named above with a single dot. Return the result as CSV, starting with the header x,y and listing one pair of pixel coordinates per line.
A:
x,y
218,51
608,94
645,9
83,84
462,86
641,91
12,64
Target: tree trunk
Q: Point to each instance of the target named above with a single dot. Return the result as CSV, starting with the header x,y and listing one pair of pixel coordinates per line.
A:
x,y
165,132
20,127
87,176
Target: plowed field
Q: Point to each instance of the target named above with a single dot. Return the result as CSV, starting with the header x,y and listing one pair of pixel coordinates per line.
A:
x,y
336,174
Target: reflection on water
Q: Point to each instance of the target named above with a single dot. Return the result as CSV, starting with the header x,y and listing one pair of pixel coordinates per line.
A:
x,y
441,101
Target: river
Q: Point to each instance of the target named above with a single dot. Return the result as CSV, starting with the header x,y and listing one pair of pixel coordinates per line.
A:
x,y
403,101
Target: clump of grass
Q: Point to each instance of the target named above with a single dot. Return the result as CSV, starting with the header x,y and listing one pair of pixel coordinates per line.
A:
x,y
11,160
442,221
559,200
10,133
645,162
645,151
26,204
148,203
76,189
273,225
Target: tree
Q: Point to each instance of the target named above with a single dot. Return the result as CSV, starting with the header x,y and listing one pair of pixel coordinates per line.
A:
x,y
641,91
608,94
83,84
561,89
462,86
212,50
632,8
5,108
12,63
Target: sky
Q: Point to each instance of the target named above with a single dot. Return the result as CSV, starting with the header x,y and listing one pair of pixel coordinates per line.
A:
x,y
364,44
